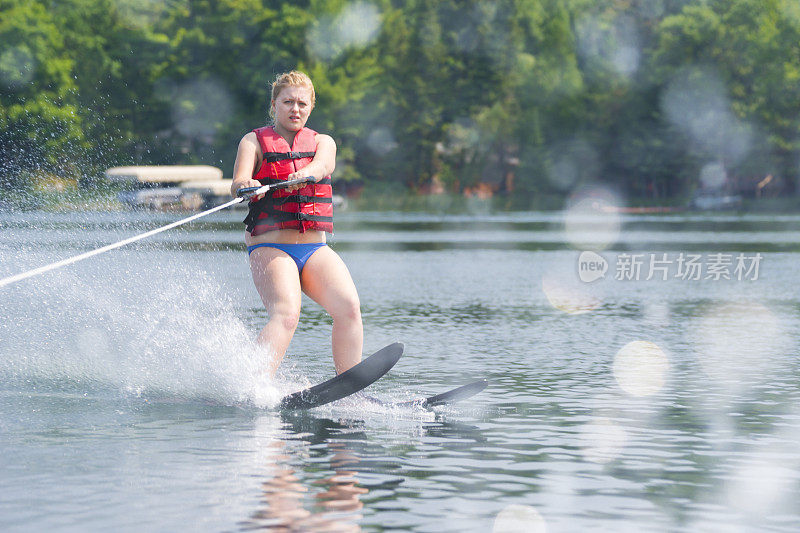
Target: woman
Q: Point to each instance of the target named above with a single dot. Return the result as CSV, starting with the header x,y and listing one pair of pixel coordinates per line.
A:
x,y
286,229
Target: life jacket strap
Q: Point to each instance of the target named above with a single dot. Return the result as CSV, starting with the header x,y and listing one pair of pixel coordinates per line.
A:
x,y
282,216
267,206
276,217
273,181
300,198
272,157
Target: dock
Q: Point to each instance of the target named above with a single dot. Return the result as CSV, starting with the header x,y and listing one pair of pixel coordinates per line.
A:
x,y
171,187
177,187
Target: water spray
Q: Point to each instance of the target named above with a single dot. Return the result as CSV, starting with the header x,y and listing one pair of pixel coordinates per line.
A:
x,y
245,193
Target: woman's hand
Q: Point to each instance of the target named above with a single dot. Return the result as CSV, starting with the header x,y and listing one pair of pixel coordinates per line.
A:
x,y
323,164
304,172
241,184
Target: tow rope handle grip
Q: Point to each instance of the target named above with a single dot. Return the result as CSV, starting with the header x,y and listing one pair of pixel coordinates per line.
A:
x,y
248,192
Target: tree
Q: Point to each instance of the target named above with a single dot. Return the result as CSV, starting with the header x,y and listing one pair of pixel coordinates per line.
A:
x,y
39,121
739,60
116,59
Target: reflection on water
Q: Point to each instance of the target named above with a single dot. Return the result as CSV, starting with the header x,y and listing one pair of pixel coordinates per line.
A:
x,y
337,496
323,471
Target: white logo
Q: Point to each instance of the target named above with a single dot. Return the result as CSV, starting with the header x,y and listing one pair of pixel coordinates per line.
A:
x,y
591,266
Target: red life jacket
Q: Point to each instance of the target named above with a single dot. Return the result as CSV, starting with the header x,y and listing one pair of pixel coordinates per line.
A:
x,y
307,208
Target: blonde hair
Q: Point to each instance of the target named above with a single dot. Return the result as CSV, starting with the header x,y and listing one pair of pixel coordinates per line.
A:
x,y
294,78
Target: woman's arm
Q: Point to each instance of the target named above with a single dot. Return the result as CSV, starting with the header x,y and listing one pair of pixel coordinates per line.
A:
x,y
245,165
324,161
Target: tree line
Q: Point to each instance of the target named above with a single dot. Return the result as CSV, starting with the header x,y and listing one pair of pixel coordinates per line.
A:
x,y
522,98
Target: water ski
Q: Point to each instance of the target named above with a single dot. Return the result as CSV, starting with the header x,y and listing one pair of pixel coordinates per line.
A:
x,y
353,380
445,398
452,396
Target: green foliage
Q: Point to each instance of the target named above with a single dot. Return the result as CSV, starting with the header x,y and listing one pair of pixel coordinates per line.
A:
x,y
528,98
38,114
116,56
751,47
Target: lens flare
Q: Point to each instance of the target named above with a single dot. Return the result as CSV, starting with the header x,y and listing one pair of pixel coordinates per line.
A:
x,y
652,9
17,66
358,23
592,219
738,343
518,518
569,295
713,176
462,134
602,440
791,11
570,163
355,27
760,488
144,13
656,314
614,44
201,107
696,102
381,141
640,368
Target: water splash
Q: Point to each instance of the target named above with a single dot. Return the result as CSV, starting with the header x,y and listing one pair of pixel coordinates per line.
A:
x,y
111,327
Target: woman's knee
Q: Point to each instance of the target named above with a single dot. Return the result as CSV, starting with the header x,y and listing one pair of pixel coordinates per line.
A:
x,y
348,309
288,320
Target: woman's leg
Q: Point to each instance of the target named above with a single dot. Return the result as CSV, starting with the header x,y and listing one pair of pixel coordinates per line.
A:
x,y
277,282
326,280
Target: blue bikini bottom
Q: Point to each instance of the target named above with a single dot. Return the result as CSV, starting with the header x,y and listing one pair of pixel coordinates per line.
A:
x,y
299,252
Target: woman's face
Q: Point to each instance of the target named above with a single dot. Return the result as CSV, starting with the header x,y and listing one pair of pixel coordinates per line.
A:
x,y
292,107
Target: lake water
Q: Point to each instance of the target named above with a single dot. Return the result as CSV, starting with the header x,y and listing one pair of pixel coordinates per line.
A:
x,y
130,398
